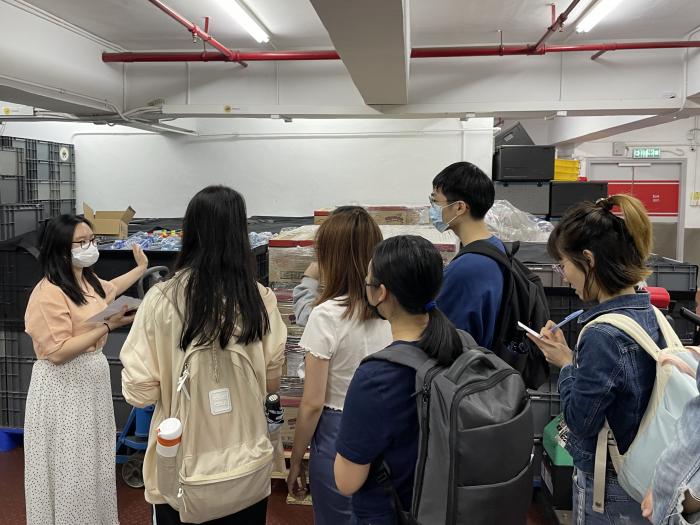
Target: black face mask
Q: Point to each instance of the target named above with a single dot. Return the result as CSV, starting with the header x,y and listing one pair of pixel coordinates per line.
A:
x,y
374,308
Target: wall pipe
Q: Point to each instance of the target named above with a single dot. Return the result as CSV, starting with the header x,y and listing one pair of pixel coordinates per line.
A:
x,y
425,52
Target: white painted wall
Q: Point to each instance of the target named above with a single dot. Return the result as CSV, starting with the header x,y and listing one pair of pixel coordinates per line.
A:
x,y
281,168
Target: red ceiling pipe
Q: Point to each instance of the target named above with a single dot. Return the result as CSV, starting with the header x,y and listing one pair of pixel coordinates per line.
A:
x,y
197,31
423,52
558,23
210,56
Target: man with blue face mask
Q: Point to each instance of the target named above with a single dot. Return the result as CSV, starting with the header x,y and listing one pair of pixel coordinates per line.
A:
x,y
473,284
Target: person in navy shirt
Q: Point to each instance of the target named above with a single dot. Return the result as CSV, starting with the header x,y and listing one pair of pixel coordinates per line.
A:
x,y
380,419
473,285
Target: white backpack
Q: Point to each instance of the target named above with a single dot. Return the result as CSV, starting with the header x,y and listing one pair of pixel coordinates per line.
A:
x,y
224,461
672,390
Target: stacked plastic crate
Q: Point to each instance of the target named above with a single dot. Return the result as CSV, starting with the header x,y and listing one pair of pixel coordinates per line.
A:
x,y
16,216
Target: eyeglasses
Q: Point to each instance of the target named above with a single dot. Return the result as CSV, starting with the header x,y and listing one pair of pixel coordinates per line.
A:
x,y
441,204
86,243
372,285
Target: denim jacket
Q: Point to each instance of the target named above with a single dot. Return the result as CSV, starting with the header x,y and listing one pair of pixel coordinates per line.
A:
x,y
611,378
678,469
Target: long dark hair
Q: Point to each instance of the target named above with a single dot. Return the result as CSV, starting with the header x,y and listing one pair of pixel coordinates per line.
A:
x,y
344,246
410,267
621,245
56,244
222,298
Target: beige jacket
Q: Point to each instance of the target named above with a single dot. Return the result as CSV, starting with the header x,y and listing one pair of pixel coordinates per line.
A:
x,y
152,361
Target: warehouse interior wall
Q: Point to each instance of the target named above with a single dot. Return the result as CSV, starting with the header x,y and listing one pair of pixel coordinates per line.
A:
x,y
282,168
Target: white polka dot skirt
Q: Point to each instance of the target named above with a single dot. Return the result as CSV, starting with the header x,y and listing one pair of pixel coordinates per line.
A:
x,y
69,444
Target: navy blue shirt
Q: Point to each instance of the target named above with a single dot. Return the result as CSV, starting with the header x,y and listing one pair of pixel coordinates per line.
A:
x,y
380,419
472,289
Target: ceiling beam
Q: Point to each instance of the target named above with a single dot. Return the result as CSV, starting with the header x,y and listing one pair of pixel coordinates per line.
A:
x,y
372,39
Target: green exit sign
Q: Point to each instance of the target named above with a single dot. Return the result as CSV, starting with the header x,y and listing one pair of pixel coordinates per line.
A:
x,y
646,153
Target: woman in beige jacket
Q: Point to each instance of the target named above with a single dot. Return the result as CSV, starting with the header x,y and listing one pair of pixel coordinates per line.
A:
x,y
216,334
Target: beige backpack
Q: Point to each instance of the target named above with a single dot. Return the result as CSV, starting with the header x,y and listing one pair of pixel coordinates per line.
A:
x,y
224,461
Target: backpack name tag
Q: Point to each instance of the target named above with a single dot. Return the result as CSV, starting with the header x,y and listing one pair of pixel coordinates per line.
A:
x,y
220,401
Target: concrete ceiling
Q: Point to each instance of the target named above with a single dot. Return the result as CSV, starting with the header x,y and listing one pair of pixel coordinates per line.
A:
x,y
294,24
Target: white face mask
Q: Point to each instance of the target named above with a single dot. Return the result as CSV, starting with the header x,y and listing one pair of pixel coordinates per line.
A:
x,y
85,257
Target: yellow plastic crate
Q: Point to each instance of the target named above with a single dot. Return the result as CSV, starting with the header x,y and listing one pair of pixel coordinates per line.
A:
x,y
568,177
567,164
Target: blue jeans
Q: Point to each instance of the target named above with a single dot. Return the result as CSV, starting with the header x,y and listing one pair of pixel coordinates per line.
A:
x,y
620,508
330,506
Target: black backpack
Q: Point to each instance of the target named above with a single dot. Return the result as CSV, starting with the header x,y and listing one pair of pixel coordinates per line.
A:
x,y
476,432
523,300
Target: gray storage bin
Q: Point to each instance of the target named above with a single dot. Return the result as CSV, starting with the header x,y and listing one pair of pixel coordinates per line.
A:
x,y
11,161
16,219
672,275
531,197
11,190
66,190
43,170
66,172
42,150
545,407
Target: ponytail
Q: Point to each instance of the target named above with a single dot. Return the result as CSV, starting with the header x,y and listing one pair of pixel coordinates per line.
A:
x,y
440,339
636,221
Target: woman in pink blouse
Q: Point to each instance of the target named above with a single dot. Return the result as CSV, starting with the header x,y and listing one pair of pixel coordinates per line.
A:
x,y
69,429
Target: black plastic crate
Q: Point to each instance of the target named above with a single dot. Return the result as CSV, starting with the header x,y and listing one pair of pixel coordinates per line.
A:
x,y
15,343
12,415
683,327
122,409
556,483
18,374
18,267
17,219
115,342
559,307
262,264
13,407
13,302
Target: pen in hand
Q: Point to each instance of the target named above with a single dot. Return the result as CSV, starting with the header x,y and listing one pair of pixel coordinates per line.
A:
x,y
568,318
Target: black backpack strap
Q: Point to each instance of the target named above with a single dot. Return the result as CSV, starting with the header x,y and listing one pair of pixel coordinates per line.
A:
x,y
487,249
383,477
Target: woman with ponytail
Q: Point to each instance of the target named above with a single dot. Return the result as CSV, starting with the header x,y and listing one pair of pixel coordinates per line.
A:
x,y
602,250
380,420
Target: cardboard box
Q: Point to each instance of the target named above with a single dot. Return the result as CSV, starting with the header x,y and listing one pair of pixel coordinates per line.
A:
x,y
385,215
289,426
388,215
109,223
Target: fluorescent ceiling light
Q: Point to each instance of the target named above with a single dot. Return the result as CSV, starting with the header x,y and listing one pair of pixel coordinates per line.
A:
x,y
578,11
595,15
246,20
